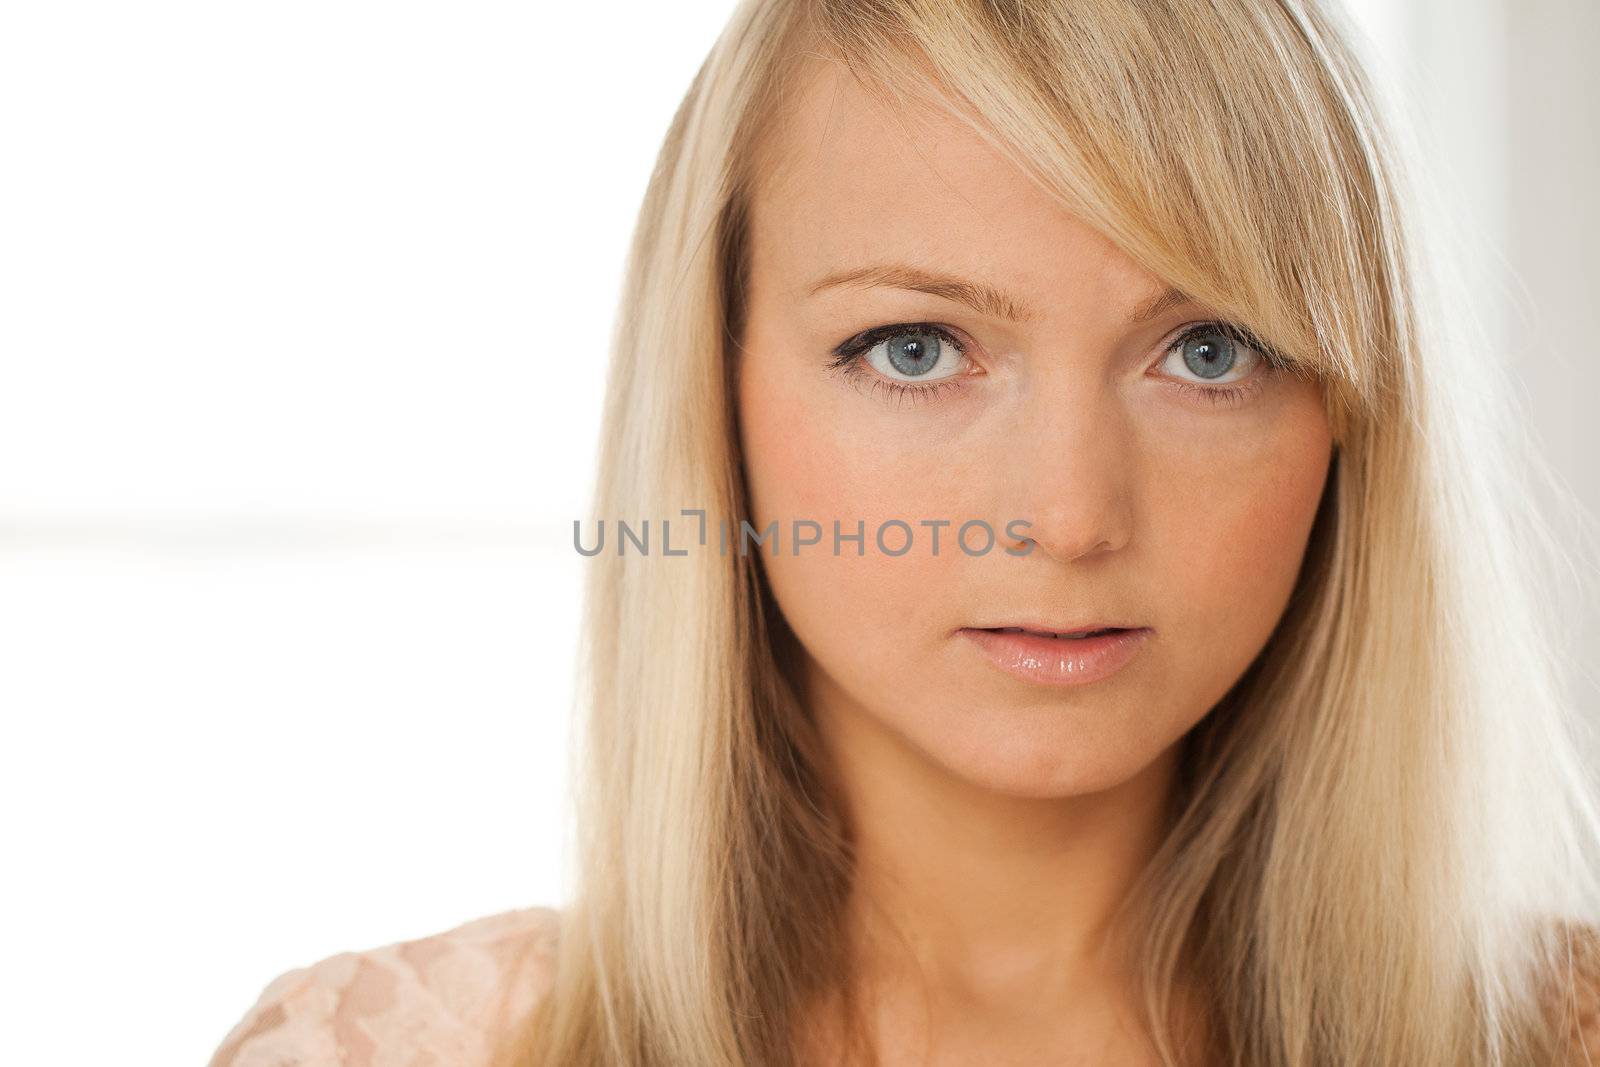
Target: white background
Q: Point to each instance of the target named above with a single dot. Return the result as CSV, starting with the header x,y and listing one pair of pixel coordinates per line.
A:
x,y
303,321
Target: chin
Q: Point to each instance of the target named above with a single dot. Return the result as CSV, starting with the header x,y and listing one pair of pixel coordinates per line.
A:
x,y
1044,753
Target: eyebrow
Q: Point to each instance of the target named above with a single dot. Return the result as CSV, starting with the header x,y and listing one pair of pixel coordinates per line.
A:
x,y
1168,299
982,298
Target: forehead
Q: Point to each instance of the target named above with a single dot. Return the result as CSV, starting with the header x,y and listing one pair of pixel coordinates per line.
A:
x,y
848,180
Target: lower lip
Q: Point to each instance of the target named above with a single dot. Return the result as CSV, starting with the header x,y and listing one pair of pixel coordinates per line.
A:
x,y
1058,660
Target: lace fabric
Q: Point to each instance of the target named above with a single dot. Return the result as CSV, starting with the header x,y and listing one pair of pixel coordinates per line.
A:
x,y
435,1001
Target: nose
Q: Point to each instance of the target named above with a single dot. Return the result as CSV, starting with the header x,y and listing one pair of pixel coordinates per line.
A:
x,y
1071,469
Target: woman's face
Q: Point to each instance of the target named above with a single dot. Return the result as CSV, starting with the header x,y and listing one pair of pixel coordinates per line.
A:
x,y
1168,484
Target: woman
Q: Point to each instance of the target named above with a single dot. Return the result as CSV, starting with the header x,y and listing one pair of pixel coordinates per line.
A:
x,y
1217,729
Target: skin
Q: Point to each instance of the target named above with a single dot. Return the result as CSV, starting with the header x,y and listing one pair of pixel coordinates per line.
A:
x,y
999,821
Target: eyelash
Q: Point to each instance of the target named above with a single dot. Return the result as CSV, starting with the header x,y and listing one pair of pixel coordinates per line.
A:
x,y
848,362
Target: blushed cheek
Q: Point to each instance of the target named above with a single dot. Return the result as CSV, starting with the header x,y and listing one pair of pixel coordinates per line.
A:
x,y
816,449
1234,527
1291,476
792,461
806,460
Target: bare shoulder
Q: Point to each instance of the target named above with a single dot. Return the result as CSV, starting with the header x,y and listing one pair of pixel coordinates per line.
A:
x,y
427,1002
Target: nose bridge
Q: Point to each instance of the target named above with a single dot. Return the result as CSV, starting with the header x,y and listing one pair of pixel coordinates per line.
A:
x,y
1072,469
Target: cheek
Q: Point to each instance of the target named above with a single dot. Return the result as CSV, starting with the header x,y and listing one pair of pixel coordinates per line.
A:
x,y
822,448
1229,525
810,455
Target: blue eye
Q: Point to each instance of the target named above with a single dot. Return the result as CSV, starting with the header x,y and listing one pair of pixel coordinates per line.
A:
x,y
908,361
913,354
1211,353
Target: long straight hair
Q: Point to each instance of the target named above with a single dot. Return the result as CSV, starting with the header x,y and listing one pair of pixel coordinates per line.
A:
x,y
1384,845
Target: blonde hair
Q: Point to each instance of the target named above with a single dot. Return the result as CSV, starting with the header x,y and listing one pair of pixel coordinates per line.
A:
x,y
1384,846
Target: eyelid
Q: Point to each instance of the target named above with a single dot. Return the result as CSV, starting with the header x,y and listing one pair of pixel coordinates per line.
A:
x,y
1231,330
866,339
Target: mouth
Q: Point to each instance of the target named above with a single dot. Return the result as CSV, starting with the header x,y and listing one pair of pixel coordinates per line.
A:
x,y
1067,635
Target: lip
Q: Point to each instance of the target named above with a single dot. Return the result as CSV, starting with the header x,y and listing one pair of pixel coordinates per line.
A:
x,y
1047,627
1057,661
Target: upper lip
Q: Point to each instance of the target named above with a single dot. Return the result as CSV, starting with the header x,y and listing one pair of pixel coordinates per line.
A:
x,y
1059,628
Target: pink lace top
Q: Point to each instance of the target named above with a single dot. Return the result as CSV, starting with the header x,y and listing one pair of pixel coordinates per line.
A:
x,y
431,1002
